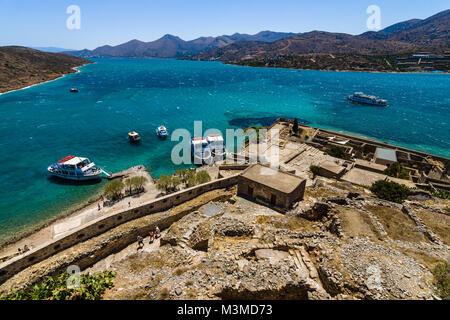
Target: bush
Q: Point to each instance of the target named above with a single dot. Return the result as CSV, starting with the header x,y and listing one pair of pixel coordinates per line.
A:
x,y
390,191
203,177
338,152
92,287
441,194
397,170
315,170
113,189
442,276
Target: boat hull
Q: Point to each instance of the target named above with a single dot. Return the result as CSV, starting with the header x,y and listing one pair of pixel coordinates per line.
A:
x,y
373,104
75,178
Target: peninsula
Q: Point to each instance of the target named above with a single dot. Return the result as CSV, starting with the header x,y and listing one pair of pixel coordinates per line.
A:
x,y
21,67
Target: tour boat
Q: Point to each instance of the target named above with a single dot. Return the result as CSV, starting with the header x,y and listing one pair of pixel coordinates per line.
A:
x,y
74,90
134,136
200,151
161,131
75,168
362,98
217,146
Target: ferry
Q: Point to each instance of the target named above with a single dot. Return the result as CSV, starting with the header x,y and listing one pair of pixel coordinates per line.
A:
x,y
362,98
217,146
75,168
134,136
201,153
161,131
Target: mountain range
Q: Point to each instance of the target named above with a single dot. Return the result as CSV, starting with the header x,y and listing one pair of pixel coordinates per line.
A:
x,y
413,35
408,36
170,46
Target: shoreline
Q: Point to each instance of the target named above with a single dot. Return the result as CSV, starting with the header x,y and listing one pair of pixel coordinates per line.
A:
x,y
296,69
76,69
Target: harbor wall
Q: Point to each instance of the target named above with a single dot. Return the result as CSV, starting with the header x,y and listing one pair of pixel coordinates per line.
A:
x,y
100,225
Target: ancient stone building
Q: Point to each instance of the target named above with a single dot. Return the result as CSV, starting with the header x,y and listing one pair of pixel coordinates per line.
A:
x,y
270,187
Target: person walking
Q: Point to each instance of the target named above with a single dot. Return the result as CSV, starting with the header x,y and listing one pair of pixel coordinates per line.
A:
x,y
157,232
152,236
140,241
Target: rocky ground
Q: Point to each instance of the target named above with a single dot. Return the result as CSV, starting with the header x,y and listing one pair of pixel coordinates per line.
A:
x,y
339,243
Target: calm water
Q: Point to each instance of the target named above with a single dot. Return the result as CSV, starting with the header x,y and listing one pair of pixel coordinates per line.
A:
x,y
44,123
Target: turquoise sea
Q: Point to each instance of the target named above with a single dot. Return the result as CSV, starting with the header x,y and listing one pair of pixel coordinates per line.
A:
x,y
44,123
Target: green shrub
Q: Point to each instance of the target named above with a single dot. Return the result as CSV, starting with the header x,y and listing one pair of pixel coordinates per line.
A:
x,y
397,170
92,287
113,189
442,276
441,194
390,191
338,152
202,177
315,170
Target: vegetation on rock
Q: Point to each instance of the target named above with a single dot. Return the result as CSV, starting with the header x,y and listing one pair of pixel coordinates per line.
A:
x,y
390,191
442,275
91,287
397,170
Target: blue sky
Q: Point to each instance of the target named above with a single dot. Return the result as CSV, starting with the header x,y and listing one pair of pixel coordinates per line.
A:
x,y
43,22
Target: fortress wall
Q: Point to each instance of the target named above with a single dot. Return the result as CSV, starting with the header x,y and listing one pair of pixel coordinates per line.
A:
x,y
98,226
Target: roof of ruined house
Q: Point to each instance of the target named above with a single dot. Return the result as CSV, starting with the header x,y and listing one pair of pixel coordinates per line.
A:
x,y
386,154
272,178
332,167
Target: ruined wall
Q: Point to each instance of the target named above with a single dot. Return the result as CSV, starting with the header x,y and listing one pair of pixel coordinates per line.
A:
x,y
98,226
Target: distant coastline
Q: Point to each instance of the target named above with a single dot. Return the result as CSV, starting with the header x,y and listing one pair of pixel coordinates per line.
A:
x,y
76,69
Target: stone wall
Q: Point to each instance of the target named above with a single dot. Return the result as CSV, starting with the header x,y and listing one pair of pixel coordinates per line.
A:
x,y
98,226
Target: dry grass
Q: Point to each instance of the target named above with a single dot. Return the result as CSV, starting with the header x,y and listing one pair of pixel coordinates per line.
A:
x,y
397,224
357,224
438,223
292,223
321,192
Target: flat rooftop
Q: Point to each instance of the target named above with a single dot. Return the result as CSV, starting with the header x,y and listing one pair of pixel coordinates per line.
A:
x,y
275,179
386,154
332,167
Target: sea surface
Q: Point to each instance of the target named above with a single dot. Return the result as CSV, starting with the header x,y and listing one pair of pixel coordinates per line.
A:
x,y
45,123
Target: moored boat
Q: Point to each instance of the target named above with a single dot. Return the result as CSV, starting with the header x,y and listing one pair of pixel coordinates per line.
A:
x,y
217,146
200,151
161,131
75,168
362,98
134,136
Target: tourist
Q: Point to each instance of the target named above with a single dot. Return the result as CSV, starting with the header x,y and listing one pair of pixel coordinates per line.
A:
x,y
140,241
152,236
25,248
157,232
129,204
99,207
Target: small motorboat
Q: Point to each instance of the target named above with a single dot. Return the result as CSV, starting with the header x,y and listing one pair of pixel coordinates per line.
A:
x,y
134,136
161,131
73,90
216,146
75,168
200,151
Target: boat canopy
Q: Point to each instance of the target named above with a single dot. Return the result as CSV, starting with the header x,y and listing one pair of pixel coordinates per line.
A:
x,y
215,138
72,160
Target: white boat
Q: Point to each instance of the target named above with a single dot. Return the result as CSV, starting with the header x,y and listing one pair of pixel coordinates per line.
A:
x,y
200,151
217,146
134,136
75,168
161,131
362,98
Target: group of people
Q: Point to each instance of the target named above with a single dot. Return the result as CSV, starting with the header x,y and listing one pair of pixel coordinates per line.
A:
x,y
153,236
